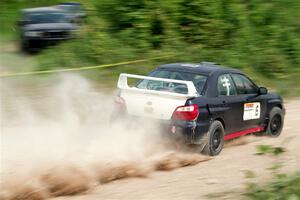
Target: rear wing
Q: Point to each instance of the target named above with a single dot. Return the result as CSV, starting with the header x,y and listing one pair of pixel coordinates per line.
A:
x,y
123,85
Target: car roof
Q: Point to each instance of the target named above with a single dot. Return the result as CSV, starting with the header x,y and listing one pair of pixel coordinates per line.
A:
x,y
42,9
71,4
207,68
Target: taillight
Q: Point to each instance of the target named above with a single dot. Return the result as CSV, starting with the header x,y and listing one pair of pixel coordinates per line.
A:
x,y
187,113
120,105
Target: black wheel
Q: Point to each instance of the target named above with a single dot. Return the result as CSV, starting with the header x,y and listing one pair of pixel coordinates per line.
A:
x,y
24,46
275,123
27,47
215,139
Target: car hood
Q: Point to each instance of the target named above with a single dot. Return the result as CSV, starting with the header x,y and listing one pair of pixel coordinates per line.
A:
x,y
49,26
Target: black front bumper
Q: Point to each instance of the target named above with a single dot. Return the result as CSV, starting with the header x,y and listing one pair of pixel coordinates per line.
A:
x,y
40,42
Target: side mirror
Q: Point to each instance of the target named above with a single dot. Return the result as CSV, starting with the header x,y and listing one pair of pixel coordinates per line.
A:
x,y
262,91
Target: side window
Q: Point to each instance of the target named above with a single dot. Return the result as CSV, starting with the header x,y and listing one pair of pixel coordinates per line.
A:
x,y
199,82
243,84
226,85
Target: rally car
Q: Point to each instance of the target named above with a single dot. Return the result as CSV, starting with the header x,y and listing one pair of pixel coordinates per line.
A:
x,y
202,104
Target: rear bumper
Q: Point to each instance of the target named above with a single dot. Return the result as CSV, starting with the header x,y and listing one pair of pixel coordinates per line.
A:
x,y
189,132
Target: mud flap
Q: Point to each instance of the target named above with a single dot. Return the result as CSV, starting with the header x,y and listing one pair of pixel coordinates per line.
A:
x,y
202,142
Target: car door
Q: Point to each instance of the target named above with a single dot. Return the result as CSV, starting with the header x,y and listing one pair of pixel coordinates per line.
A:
x,y
231,103
254,105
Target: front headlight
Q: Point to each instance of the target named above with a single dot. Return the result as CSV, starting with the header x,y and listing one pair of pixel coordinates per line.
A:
x,y
32,33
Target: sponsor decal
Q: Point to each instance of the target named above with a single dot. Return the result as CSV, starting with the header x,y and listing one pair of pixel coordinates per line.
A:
x,y
226,84
251,111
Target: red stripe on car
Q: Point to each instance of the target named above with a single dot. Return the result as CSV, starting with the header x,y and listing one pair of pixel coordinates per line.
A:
x,y
245,132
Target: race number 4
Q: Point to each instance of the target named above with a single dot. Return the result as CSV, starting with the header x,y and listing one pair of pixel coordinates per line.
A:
x,y
251,111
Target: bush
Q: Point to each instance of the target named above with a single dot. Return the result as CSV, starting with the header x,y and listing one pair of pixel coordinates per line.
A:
x,y
259,37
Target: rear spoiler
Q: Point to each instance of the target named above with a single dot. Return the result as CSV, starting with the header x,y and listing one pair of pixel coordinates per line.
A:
x,y
123,85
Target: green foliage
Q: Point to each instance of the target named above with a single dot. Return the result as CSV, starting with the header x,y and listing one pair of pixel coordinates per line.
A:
x,y
249,174
267,149
260,37
281,188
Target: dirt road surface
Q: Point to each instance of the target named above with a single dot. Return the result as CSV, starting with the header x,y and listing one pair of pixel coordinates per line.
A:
x,y
220,178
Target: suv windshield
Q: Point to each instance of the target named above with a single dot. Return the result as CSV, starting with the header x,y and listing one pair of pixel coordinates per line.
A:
x,y
71,8
199,81
43,17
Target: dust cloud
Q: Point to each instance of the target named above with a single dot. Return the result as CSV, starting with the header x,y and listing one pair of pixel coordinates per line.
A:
x,y
57,140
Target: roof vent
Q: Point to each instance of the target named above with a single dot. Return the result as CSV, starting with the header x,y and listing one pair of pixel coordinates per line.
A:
x,y
208,63
190,65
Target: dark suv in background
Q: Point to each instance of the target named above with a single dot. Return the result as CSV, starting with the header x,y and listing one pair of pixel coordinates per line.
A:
x,y
43,26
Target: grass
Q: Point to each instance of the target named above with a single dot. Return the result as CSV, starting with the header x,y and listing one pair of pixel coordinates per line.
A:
x,y
283,187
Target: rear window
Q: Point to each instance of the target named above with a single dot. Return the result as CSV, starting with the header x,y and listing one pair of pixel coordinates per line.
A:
x,y
198,80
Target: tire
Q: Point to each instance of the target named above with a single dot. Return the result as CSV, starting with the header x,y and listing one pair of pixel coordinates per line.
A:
x,y
275,124
27,47
215,139
24,46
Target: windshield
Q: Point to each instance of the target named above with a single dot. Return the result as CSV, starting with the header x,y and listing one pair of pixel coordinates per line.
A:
x,y
199,81
40,18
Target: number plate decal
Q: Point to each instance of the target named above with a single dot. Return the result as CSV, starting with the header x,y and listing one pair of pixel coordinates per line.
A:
x,y
251,111
148,109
